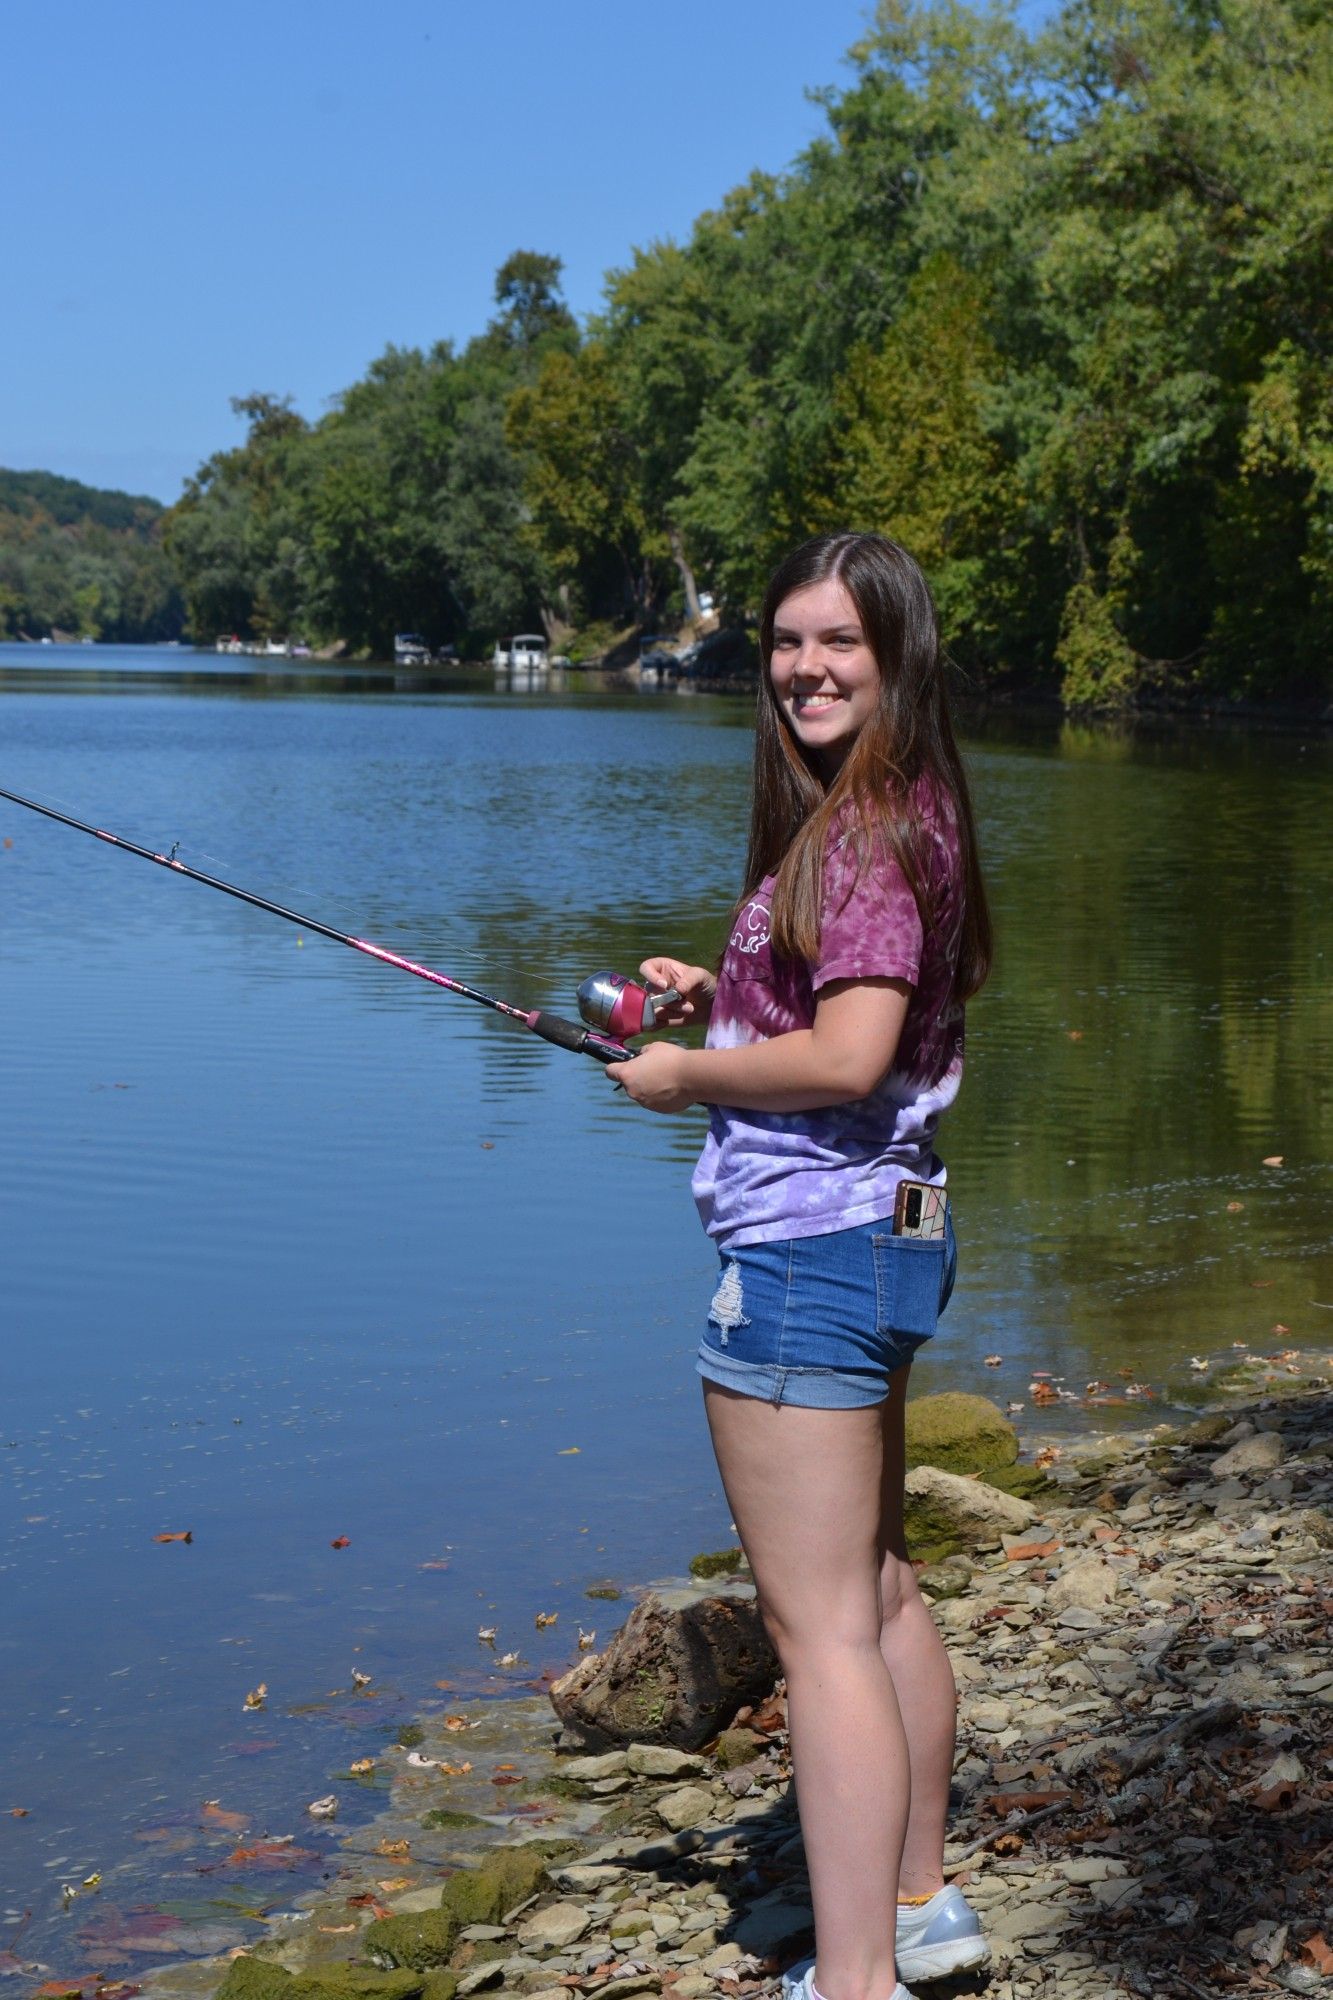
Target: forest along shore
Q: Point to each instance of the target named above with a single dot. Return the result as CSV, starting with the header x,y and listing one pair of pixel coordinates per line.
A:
x,y
1141,1793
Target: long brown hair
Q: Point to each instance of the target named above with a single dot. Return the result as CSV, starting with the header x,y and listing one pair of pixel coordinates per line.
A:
x,y
908,738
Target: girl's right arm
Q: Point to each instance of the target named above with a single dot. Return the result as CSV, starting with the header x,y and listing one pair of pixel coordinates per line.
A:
x,y
695,984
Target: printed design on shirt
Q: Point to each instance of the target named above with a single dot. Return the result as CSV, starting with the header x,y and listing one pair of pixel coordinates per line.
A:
x,y
752,928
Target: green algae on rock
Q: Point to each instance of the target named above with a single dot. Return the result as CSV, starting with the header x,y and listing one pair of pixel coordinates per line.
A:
x,y
483,1895
721,1562
250,1978
959,1433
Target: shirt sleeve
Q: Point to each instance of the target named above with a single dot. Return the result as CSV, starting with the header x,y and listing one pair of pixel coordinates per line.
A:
x,y
871,926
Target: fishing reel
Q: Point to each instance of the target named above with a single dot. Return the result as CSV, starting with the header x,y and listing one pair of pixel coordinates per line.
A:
x,y
611,1001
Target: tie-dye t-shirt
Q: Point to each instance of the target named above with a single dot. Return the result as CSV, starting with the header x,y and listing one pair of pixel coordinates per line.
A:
x,y
763,1175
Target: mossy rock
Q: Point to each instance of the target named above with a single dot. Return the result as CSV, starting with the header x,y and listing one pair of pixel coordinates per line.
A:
x,y
439,1985
250,1978
1206,1431
931,1534
482,1895
959,1433
720,1562
738,1746
1025,1482
610,1591
419,1942
411,1736
942,1580
442,1816
353,1982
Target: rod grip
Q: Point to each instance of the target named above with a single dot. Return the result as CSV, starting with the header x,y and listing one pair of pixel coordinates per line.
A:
x,y
573,1035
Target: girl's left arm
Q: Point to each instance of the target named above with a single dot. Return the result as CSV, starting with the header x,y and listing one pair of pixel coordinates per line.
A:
x,y
849,1050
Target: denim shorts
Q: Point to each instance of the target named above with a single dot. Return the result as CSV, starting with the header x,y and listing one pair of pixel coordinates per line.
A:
x,y
823,1321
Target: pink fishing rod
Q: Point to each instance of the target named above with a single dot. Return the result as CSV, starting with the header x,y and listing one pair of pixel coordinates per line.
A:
x,y
551,1027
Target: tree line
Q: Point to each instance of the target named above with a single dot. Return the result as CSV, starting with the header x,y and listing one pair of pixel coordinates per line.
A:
x,y
77,560
1052,310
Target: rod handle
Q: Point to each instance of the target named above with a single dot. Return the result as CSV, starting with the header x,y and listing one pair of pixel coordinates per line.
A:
x,y
573,1035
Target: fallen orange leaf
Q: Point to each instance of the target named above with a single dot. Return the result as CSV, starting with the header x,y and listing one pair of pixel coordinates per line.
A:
x,y
455,1722
341,1542
1316,1951
1025,1550
217,1815
178,1535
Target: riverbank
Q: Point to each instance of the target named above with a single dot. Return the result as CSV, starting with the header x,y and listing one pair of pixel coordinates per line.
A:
x,y
1140,1803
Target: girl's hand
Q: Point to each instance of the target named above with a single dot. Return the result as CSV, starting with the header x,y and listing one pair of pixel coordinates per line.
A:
x,y
695,984
656,1079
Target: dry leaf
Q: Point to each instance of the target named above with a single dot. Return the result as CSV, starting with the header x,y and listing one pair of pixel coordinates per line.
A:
x,y
1048,1455
569,1451
1235,1207
993,1361
177,1535
544,1618
486,1633
257,1696
1201,1365
215,1815
325,1808
361,1680
341,1542
1316,1951
1024,1551
395,1850
362,1767
455,1722
1273,1160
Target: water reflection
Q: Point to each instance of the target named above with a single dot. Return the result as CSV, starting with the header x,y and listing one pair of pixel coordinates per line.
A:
x,y
325,1250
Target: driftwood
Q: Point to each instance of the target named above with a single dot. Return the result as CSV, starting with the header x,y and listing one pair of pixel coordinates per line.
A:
x,y
1116,1768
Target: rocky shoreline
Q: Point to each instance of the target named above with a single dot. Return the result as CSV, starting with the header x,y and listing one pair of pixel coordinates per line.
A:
x,y
1143,1793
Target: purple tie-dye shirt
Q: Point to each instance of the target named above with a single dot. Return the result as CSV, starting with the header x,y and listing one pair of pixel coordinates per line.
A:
x,y
765,1176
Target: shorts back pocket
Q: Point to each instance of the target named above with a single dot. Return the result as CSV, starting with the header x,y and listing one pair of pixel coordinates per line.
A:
x,y
909,1284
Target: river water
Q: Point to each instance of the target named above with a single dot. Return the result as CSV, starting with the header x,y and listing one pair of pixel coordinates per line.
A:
x,y
296,1248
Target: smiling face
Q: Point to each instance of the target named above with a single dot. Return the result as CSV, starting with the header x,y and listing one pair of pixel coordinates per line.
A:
x,y
824,675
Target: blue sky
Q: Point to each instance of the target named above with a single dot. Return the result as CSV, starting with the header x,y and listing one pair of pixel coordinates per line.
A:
x,y
211,199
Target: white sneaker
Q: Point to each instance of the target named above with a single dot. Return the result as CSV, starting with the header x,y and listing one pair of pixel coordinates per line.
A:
x,y
933,1940
800,1988
938,1938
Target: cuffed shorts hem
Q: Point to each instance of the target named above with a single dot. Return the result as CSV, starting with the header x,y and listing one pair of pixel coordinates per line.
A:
x,y
807,1388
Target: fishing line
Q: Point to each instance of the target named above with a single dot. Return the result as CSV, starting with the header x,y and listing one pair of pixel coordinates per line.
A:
x,y
565,1034
222,865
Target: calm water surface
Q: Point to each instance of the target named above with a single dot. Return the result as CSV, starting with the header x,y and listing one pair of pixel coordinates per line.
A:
x,y
296,1248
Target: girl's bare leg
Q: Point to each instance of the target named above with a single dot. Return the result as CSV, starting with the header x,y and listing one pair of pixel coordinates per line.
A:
x,y
915,1656
805,1492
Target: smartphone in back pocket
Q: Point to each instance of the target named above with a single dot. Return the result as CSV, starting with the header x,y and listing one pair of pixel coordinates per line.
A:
x,y
920,1210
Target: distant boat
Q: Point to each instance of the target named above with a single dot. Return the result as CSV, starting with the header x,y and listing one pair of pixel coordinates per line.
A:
x,y
526,651
410,650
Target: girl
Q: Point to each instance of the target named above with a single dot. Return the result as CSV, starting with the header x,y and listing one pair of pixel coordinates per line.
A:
x,y
835,1041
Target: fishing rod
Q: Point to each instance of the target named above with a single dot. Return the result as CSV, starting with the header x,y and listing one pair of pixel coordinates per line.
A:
x,y
551,1027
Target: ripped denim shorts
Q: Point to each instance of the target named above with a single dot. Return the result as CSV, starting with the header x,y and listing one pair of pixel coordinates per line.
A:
x,y
823,1321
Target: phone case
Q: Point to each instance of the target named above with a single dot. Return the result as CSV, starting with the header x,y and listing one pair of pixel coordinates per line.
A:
x,y
924,1218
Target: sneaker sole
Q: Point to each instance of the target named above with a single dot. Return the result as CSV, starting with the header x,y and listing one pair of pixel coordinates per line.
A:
x,y
938,1961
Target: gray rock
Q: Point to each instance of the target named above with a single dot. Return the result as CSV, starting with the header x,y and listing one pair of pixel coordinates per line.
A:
x,y
1031,1919
978,1514
587,1769
585,1876
773,1924
1253,1454
1088,1583
685,1807
674,1673
551,1929
986,1713
662,1760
